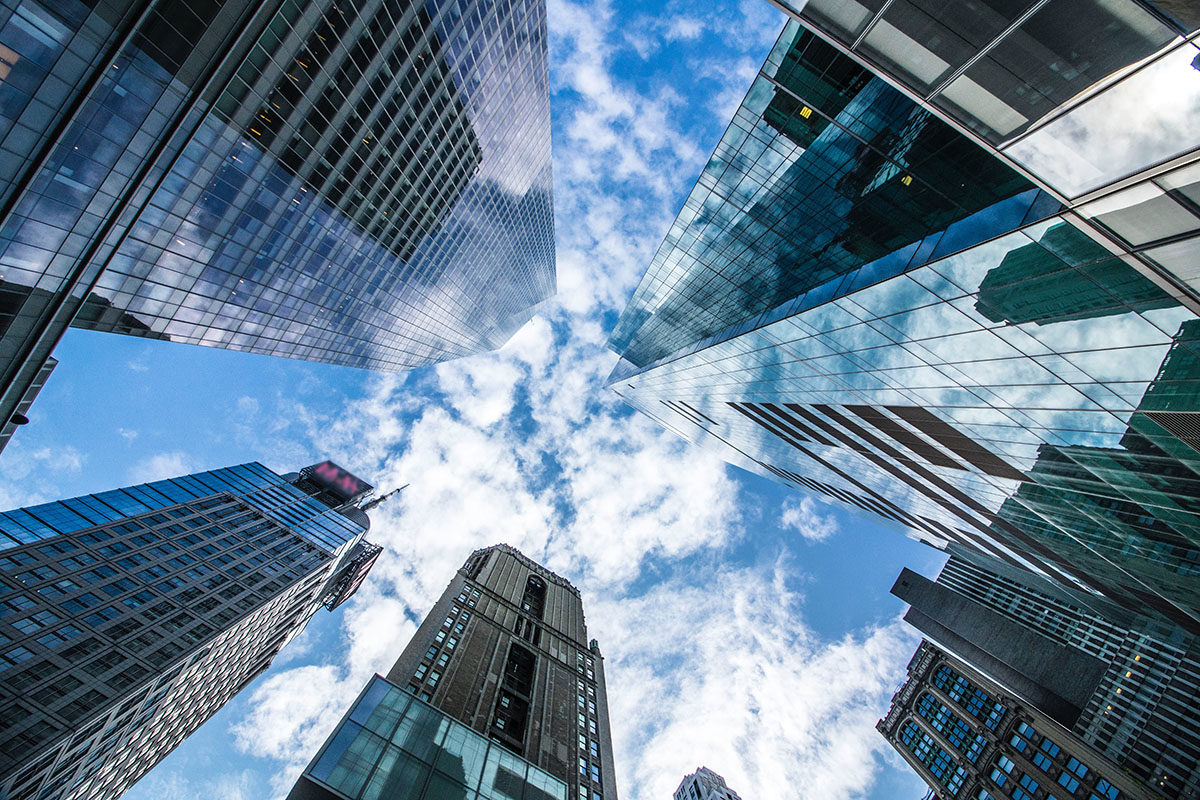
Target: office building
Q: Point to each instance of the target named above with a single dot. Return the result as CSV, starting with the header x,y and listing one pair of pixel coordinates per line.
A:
x,y
1124,686
704,784
129,617
364,183
969,738
865,299
499,690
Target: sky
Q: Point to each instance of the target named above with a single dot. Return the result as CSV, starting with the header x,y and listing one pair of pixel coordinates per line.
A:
x,y
745,626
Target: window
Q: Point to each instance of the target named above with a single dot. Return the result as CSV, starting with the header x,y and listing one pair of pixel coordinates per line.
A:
x,y
1106,789
1068,781
1043,761
1050,748
1077,766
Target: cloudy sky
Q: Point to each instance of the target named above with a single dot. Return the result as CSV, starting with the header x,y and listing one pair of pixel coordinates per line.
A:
x,y
745,627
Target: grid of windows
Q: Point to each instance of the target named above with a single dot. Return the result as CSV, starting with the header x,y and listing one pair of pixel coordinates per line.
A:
x,y
968,696
371,188
941,764
1031,758
144,626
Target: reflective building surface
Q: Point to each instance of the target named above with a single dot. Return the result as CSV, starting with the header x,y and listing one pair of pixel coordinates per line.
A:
x,y
129,617
969,738
504,656
364,183
862,299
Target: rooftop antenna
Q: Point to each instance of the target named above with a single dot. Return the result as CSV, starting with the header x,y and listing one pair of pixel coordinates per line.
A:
x,y
372,503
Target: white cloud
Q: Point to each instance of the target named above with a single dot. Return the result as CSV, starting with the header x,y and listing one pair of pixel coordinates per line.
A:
x,y
128,434
737,681
525,446
160,466
802,515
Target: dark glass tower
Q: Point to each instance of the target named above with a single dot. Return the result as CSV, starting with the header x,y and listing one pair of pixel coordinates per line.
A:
x,y
1122,684
865,301
129,617
364,183
969,738
503,656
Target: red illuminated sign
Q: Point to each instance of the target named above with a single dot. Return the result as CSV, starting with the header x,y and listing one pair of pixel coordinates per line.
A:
x,y
338,480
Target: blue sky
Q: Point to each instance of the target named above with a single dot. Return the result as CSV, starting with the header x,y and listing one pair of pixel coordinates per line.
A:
x,y
745,626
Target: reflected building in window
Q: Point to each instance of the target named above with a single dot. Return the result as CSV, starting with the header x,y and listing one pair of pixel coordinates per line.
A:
x,y
364,183
864,300
129,617
499,691
1121,683
967,737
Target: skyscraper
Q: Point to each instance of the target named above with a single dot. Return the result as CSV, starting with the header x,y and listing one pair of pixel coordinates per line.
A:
x,y
866,298
502,656
129,617
364,183
1125,686
969,738
704,784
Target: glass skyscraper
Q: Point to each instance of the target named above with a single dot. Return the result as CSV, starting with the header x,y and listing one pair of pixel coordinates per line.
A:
x,y
364,183
870,300
503,656
129,617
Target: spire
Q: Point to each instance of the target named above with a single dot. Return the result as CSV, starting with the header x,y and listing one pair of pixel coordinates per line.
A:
x,y
372,503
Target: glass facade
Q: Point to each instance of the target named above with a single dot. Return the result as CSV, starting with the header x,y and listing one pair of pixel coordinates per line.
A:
x,y
129,617
993,374
364,183
394,745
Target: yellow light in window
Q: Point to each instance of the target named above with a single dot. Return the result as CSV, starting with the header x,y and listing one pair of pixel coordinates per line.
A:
x,y
805,112
1137,658
256,133
1127,674
1118,691
906,180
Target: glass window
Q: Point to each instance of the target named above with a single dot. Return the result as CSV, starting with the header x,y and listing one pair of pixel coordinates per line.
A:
x,y
463,753
420,731
1100,141
503,775
348,759
1141,214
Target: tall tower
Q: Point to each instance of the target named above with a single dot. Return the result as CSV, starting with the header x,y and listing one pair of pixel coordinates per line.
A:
x,y
499,690
129,617
872,296
968,737
704,784
359,182
1125,686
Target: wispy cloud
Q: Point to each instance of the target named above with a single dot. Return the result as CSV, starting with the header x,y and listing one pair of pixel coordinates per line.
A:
x,y
128,434
160,466
803,515
525,446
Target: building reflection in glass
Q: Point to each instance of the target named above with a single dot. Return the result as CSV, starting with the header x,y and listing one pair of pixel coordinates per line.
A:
x,y
395,745
998,382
